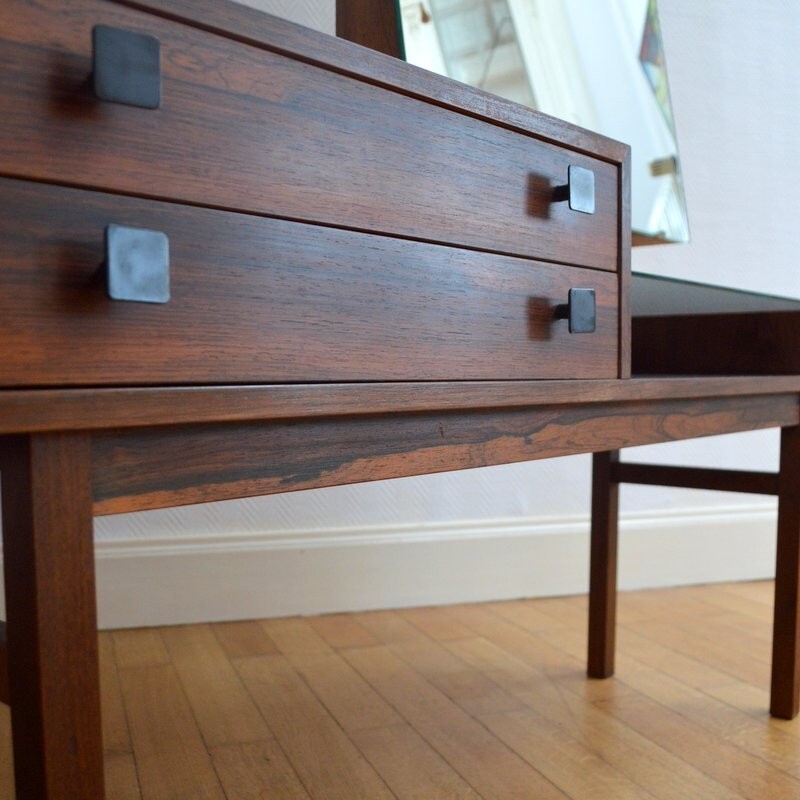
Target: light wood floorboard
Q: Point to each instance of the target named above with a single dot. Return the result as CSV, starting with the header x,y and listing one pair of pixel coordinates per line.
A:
x,y
469,702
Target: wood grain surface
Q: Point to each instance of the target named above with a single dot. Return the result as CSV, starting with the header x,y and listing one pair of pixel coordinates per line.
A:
x,y
251,26
93,409
158,467
374,25
603,566
785,701
718,480
256,299
51,613
756,343
334,215
4,697
248,129
624,222
488,698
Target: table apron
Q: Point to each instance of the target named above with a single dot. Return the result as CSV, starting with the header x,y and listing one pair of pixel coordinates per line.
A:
x,y
158,467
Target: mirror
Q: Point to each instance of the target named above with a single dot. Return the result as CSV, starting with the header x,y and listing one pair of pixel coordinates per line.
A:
x,y
596,63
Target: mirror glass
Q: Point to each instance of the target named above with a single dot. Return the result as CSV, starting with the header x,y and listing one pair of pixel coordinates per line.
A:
x,y
596,63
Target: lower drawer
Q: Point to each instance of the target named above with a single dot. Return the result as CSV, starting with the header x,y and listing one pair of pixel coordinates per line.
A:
x,y
260,300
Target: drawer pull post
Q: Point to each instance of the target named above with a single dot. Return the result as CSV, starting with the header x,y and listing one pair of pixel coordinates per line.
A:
x,y
580,310
137,264
579,190
126,67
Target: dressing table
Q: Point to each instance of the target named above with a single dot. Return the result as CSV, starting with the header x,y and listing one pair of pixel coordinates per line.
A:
x,y
274,260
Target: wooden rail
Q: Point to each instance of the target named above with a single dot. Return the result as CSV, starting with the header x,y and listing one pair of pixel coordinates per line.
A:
x,y
720,480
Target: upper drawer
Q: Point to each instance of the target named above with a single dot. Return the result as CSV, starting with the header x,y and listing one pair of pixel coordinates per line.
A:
x,y
261,300
247,129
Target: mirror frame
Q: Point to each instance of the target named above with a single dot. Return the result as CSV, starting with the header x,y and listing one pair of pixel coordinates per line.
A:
x,y
372,23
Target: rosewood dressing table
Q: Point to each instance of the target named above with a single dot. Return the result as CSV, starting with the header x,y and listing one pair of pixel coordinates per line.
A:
x,y
241,257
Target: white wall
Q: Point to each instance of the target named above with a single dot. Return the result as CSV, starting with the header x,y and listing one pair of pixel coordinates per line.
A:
x,y
731,65
318,14
521,529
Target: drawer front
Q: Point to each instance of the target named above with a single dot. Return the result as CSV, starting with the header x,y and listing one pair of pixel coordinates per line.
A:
x,y
246,129
261,300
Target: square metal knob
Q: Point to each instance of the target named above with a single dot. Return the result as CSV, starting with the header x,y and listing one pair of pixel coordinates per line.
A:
x,y
580,310
579,190
126,67
137,261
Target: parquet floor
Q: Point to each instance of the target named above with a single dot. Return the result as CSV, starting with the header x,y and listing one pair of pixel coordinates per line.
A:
x,y
474,701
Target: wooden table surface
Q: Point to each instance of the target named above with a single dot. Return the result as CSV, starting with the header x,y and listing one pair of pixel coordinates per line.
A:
x,y
68,454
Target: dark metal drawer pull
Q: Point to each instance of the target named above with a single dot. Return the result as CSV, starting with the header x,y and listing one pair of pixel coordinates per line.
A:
x,y
126,67
137,264
579,190
580,310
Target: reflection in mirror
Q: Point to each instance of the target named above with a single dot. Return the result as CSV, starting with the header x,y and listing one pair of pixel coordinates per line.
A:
x,y
596,63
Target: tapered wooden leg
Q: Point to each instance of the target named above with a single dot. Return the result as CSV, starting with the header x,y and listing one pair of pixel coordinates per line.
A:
x,y
785,699
603,566
51,617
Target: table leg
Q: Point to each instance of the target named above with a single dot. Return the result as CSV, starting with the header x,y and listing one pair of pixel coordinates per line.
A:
x,y
51,616
603,566
785,699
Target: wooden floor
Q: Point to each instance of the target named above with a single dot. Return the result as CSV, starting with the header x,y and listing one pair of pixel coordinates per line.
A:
x,y
476,701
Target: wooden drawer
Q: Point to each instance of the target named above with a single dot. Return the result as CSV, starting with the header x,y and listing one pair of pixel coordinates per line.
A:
x,y
262,300
249,129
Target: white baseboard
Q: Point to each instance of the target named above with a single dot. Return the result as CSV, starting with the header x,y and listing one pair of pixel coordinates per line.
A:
x,y
172,580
